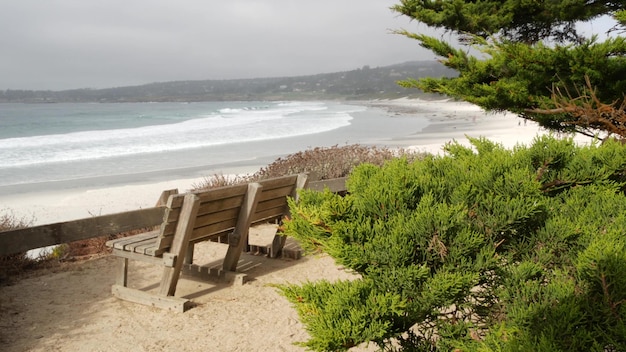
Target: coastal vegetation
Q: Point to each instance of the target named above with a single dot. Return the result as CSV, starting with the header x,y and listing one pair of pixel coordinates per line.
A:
x,y
535,61
485,248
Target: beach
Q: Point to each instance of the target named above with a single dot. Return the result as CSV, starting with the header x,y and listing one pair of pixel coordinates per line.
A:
x,y
70,308
48,202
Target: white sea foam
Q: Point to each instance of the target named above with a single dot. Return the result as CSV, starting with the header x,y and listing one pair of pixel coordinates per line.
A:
x,y
224,126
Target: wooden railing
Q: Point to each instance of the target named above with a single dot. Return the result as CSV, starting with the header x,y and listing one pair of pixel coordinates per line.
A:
x,y
21,240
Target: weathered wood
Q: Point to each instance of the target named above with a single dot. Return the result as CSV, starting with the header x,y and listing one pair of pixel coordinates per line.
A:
x,y
301,182
21,240
276,192
220,204
222,214
221,192
239,237
269,215
279,240
210,207
217,217
172,303
120,243
273,200
335,185
165,195
147,246
149,258
179,246
278,182
122,272
168,227
16,241
189,254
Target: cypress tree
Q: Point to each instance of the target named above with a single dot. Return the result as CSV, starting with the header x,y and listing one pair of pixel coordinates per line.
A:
x,y
533,60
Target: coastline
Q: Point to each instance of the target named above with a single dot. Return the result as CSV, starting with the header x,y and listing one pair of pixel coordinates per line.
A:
x,y
58,201
71,307
455,121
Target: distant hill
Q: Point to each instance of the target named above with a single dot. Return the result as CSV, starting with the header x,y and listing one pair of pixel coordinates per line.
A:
x,y
362,83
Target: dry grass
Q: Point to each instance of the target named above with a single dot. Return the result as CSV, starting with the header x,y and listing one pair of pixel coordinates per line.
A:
x,y
220,180
320,163
17,263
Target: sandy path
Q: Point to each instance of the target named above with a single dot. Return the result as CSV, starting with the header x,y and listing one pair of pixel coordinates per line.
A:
x,y
71,309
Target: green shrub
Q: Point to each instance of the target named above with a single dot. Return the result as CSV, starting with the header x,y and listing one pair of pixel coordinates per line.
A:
x,y
482,249
337,323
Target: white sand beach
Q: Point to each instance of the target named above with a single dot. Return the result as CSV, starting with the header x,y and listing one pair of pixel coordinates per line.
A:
x,y
70,308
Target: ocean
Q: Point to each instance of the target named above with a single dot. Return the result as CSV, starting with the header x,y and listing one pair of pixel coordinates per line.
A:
x,y
55,146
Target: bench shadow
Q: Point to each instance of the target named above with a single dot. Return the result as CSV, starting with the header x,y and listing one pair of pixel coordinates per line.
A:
x,y
206,275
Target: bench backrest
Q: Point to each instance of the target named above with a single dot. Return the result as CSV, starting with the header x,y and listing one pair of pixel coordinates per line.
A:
x,y
220,208
218,212
273,199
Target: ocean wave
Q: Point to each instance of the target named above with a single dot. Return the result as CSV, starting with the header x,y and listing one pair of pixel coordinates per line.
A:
x,y
224,126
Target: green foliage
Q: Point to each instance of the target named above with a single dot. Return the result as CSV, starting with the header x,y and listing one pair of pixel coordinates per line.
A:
x,y
524,21
337,326
531,57
482,249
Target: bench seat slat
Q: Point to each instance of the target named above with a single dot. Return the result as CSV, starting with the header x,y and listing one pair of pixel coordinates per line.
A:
x,y
139,257
120,243
142,247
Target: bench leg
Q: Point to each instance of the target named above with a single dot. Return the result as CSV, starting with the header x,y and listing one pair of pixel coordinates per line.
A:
x,y
189,254
277,245
121,278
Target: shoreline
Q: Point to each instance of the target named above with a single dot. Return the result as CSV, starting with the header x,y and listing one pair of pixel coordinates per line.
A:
x,y
56,201
71,307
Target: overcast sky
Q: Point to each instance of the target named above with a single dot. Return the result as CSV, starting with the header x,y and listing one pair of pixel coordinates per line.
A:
x,y
64,44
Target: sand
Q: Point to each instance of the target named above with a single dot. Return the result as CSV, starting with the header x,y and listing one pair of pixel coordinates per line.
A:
x,y
70,308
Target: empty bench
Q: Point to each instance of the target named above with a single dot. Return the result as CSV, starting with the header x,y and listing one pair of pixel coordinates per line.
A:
x,y
222,214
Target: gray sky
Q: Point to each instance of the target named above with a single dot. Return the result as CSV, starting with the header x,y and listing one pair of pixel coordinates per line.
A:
x,y
65,44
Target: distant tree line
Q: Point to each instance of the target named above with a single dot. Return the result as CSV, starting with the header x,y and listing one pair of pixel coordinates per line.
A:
x,y
362,83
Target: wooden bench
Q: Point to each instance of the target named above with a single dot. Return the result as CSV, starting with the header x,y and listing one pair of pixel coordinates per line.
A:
x,y
221,214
